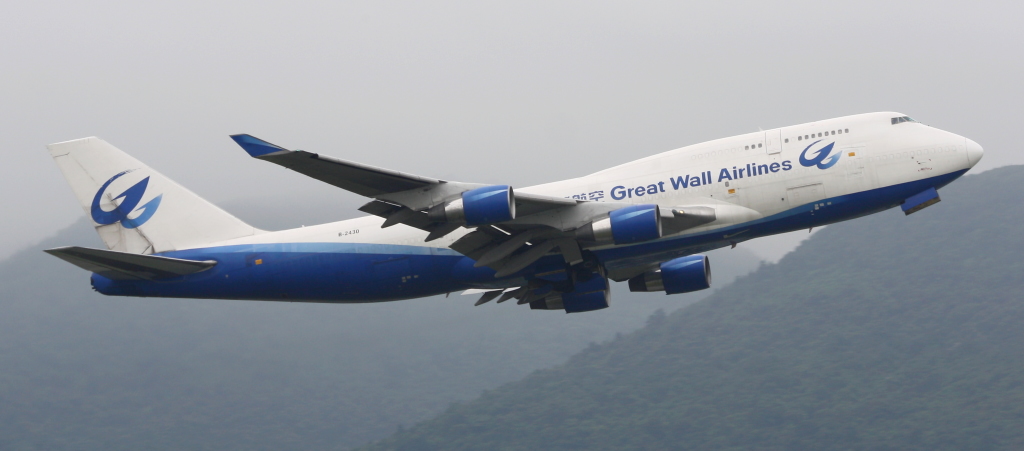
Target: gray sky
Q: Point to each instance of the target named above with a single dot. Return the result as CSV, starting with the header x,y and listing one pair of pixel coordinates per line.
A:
x,y
520,93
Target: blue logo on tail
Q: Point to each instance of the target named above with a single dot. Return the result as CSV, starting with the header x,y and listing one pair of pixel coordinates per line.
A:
x,y
821,158
130,199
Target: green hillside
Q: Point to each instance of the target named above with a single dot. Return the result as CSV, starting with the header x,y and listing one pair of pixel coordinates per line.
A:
x,y
82,371
882,333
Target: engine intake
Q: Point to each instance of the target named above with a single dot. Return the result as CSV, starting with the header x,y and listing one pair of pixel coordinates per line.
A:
x,y
481,206
627,225
682,275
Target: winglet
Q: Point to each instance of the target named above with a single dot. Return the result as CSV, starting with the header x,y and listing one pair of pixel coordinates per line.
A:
x,y
256,147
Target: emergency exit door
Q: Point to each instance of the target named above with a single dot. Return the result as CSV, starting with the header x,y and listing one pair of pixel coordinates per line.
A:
x,y
773,141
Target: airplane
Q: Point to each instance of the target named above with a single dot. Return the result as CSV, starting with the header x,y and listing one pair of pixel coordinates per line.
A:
x,y
553,247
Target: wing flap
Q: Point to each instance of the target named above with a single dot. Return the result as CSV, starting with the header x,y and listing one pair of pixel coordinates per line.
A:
x,y
125,266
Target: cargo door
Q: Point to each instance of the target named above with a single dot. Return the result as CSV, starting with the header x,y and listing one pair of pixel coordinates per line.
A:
x,y
802,195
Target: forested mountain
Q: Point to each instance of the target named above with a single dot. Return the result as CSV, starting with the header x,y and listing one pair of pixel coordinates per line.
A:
x,y
82,371
882,333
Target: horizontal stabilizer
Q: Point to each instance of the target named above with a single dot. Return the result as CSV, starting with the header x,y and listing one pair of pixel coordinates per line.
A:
x,y
125,266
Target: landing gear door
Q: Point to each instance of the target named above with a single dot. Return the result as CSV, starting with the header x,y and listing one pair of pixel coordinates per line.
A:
x,y
773,141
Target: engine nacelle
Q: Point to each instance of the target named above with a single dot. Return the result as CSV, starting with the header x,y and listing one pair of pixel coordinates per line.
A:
x,y
586,296
487,205
682,275
627,225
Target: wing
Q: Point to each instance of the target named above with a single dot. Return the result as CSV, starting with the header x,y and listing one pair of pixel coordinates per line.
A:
x,y
534,225
361,179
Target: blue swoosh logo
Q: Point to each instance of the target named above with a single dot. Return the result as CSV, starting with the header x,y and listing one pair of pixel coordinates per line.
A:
x,y
823,158
130,199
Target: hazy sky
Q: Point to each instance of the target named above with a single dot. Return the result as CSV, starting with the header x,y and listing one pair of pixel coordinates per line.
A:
x,y
519,93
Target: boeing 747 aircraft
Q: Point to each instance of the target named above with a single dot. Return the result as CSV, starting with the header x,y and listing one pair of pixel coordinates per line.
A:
x,y
553,246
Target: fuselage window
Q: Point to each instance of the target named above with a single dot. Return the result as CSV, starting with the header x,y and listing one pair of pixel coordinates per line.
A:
x,y
840,131
787,139
746,147
847,130
758,145
833,132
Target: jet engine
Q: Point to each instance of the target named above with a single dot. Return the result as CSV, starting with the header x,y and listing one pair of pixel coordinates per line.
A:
x,y
481,206
588,295
627,225
682,275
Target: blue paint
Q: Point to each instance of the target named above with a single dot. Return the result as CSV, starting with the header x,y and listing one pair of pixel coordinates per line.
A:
x,y
635,224
487,205
919,198
130,199
821,158
254,146
349,272
586,296
685,274
147,212
324,272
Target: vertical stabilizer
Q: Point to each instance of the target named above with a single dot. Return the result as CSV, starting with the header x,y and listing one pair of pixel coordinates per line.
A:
x,y
136,209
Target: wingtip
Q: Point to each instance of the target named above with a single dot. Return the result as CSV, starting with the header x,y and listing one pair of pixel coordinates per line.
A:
x,y
58,250
256,147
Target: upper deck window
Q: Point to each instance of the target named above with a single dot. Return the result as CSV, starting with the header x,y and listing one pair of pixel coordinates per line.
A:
x,y
899,120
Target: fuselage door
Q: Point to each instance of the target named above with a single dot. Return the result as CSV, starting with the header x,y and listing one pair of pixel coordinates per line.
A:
x,y
773,141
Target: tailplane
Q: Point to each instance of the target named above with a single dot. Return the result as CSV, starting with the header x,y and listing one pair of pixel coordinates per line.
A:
x,y
136,209
124,266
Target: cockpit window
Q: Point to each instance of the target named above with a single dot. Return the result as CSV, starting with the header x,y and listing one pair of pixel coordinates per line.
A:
x,y
897,120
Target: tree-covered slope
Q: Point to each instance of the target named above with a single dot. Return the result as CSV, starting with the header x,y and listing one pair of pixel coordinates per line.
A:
x,y
82,371
882,333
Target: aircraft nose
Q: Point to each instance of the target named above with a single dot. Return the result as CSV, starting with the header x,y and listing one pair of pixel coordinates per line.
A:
x,y
974,152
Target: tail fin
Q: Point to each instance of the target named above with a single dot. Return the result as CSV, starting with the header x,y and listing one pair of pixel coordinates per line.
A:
x,y
136,209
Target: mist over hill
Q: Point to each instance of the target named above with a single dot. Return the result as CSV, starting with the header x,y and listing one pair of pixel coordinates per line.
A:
x,y
84,371
882,333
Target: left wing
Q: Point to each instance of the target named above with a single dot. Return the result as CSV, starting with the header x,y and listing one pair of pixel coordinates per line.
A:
x,y
412,191
400,197
361,179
